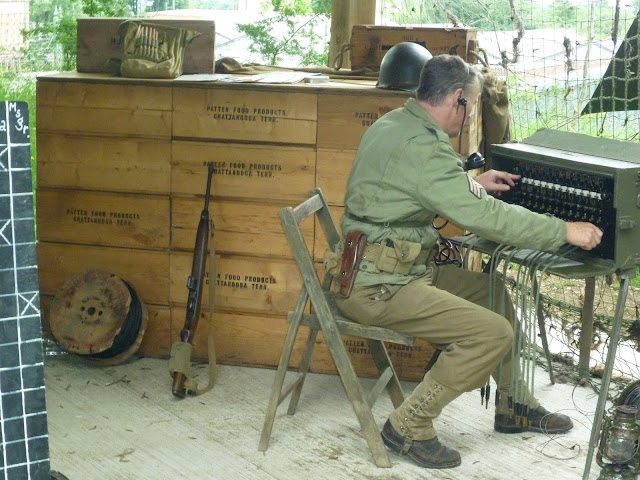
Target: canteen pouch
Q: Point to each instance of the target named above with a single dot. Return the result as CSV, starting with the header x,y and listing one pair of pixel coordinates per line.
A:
x,y
397,256
354,245
153,50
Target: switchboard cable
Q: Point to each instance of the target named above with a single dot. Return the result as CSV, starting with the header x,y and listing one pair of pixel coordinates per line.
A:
x,y
491,265
530,355
490,269
522,335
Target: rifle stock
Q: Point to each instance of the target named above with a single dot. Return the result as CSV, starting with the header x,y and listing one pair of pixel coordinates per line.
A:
x,y
195,282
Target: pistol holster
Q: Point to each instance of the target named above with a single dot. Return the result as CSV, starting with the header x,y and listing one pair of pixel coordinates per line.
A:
x,y
354,245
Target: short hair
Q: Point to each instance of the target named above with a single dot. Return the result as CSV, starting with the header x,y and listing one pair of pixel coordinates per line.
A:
x,y
443,75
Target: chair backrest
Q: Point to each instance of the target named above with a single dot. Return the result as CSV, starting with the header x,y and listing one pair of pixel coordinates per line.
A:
x,y
291,218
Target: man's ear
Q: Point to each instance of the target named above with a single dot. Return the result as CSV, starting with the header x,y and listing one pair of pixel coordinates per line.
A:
x,y
456,95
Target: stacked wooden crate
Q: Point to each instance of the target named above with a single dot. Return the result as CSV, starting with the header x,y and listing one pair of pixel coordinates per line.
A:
x,y
121,180
369,43
103,173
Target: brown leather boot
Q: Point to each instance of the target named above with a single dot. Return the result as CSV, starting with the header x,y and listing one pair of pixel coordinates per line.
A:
x,y
426,453
540,420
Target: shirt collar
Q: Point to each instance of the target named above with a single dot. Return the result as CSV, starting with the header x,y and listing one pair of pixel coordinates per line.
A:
x,y
414,108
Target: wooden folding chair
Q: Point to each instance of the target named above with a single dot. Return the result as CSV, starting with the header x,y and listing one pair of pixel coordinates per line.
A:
x,y
327,318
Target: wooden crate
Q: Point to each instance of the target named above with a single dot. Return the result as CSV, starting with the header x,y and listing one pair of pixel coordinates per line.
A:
x,y
100,48
241,228
116,164
266,334
140,109
103,218
332,173
471,134
243,284
369,43
147,271
343,118
157,339
234,332
320,244
268,173
253,114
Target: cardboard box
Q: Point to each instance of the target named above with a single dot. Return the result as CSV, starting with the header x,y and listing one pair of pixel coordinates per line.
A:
x,y
369,43
100,48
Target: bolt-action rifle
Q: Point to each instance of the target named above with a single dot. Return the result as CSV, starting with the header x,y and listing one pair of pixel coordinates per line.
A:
x,y
181,350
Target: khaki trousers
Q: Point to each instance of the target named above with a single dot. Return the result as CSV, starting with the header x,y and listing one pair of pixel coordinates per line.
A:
x,y
449,307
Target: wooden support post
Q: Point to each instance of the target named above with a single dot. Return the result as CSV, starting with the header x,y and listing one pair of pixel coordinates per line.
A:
x,y
344,15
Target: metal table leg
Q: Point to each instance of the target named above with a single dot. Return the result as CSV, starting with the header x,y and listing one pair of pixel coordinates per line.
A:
x,y
586,330
606,376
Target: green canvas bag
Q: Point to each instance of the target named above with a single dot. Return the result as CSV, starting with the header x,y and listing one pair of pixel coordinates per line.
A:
x,y
153,50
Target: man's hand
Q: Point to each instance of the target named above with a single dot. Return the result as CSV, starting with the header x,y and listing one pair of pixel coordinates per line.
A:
x,y
496,182
584,235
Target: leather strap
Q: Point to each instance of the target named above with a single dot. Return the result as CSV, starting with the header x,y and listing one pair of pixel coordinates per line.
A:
x,y
406,446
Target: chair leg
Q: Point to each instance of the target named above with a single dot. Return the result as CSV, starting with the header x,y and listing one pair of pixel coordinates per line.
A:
x,y
357,397
305,363
381,357
278,382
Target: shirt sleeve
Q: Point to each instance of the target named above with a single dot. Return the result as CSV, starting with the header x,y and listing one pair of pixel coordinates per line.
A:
x,y
446,189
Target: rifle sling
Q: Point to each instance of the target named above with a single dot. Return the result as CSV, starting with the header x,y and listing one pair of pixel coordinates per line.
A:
x,y
189,384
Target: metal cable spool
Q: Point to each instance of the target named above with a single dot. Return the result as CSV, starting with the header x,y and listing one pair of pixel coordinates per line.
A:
x,y
99,317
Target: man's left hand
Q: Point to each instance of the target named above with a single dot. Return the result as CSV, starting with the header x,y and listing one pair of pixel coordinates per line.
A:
x,y
496,182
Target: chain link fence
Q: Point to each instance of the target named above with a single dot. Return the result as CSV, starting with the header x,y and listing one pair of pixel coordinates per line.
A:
x,y
554,56
14,18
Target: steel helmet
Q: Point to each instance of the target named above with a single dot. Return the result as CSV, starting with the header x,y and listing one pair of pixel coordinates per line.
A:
x,y
401,66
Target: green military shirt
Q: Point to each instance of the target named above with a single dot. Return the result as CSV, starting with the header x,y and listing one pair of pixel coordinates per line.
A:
x,y
406,172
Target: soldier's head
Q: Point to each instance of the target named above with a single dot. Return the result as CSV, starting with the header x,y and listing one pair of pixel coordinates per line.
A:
x,y
449,89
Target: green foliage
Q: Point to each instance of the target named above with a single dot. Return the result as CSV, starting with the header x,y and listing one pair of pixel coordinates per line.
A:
x,y
106,8
21,87
564,12
51,46
50,11
286,33
321,6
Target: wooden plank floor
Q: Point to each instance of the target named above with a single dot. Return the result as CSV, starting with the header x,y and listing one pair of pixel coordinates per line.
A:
x,y
122,423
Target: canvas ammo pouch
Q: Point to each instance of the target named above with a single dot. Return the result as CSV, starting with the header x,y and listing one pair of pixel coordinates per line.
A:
x,y
153,50
396,256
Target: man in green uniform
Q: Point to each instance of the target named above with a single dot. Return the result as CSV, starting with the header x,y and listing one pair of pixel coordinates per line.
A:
x,y
404,174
